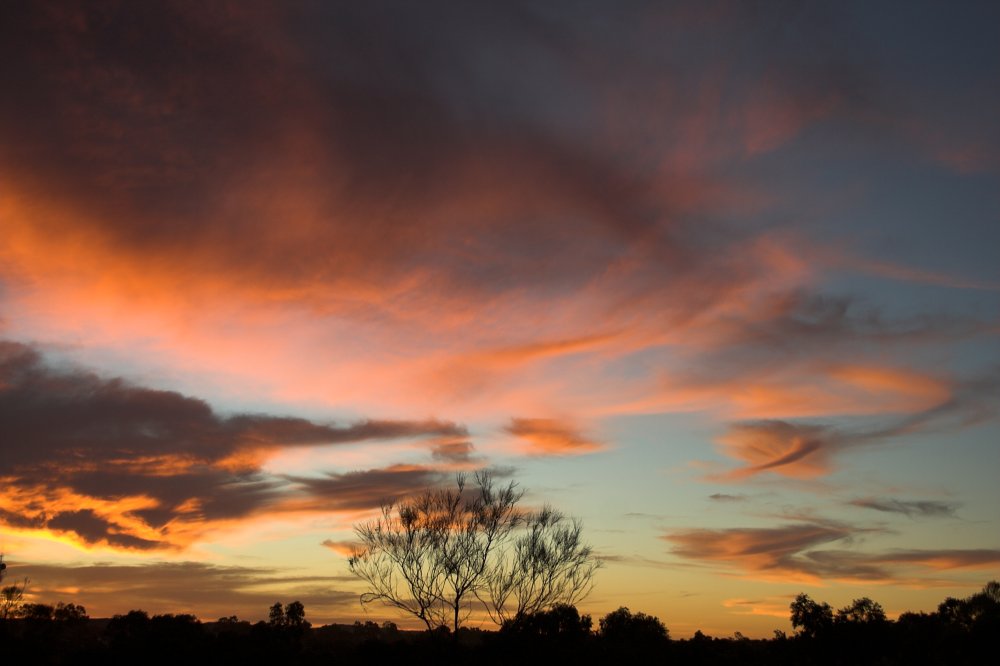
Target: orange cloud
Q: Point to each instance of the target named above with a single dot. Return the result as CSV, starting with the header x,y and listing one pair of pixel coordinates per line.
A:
x,y
801,451
550,437
803,390
766,607
342,548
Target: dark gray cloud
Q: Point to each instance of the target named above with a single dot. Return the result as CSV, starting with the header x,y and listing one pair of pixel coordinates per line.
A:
x,y
454,451
922,508
726,497
367,489
91,528
70,434
45,412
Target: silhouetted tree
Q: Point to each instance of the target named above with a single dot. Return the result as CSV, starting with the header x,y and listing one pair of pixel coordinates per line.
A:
x,y
622,626
432,556
11,598
976,610
292,616
560,621
276,615
69,613
862,611
36,612
129,632
295,615
550,566
811,617
991,591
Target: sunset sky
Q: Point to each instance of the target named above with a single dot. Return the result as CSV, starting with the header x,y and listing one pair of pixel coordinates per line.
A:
x,y
720,279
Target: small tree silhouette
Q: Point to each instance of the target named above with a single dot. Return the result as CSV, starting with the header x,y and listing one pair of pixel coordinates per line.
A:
x,y
811,617
292,616
562,621
623,627
432,556
11,596
862,611
295,616
276,615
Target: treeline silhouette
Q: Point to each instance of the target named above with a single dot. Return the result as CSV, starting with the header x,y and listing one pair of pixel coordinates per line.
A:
x,y
961,631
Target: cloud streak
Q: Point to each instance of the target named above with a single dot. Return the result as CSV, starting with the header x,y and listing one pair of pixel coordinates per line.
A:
x,y
808,450
174,587
911,508
796,552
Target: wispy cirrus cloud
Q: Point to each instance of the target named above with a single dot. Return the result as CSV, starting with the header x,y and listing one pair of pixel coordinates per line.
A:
x,y
911,508
727,497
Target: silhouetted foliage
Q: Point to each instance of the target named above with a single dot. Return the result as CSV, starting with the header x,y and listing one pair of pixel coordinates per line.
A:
x,y
861,611
295,615
69,613
562,621
962,631
276,615
623,626
36,612
975,613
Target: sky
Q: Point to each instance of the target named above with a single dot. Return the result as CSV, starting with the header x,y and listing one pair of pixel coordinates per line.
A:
x,y
719,279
